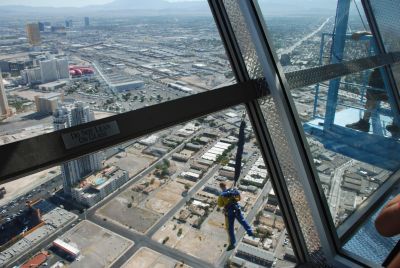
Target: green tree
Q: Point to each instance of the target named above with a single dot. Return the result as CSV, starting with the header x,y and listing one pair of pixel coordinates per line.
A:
x,y
165,240
164,171
166,162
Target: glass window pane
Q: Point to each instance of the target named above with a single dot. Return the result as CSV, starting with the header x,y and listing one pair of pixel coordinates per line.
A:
x,y
351,123
132,203
359,150
113,61
303,33
387,18
388,22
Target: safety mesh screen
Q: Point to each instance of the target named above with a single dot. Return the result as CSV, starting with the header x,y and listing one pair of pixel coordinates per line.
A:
x,y
281,146
387,17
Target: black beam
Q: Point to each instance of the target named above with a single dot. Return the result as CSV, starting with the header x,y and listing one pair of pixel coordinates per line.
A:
x,y
25,157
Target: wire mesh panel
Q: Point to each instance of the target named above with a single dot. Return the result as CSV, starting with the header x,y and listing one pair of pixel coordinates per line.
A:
x,y
278,135
387,17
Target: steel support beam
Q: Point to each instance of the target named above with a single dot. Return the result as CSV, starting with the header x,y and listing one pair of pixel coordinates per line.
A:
x,y
280,91
24,157
260,130
337,50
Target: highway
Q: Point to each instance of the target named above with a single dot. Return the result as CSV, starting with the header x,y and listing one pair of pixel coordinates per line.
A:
x,y
335,189
298,43
42,191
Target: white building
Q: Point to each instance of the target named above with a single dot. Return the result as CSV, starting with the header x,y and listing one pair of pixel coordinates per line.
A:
x,y
126,86
66,247
32,76
62,68
54,69
73,171
48,69
4,109
98,186
250,256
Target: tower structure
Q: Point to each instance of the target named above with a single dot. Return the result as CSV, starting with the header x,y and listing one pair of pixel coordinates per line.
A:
x,y
73,171
33,33
4,109
87,22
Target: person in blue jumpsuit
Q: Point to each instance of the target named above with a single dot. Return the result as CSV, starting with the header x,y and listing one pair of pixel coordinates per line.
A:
x,y
228,199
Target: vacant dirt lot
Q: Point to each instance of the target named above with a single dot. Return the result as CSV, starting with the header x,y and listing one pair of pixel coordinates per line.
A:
x,y
166,198
133,217
147,258
99,247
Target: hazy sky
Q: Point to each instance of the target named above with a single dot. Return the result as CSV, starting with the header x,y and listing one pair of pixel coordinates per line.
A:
x,y
61,3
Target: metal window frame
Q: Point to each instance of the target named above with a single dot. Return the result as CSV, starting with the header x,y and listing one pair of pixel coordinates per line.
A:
x,y
25,157
261,131
280,91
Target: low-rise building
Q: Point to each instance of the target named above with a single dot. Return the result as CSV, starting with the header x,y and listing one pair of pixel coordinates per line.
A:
x,y
192,176
180,157
253,255
183,215
52,86
97,186
48,103
126,86
193,146
254,241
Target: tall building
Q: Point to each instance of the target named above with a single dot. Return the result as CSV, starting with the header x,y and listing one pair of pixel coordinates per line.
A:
x,y
73,171
87,22
4,109
52,70
62,68
68,23
33,33
48,70
32,76
41,26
